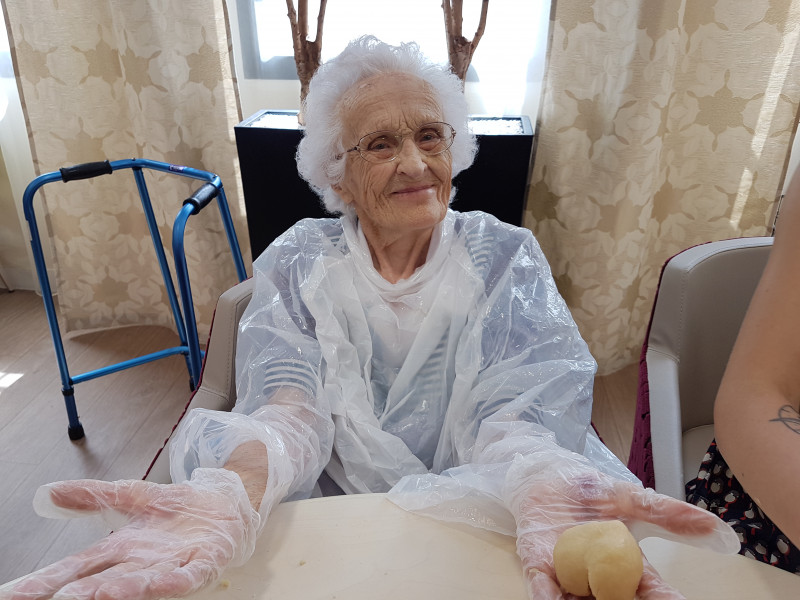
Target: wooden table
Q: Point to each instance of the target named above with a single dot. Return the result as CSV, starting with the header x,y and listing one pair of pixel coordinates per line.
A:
x,y
364,547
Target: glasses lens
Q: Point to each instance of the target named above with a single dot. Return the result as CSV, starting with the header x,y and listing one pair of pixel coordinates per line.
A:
x,y
433,138
379,146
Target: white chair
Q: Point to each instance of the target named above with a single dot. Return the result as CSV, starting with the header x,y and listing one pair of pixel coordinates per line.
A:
x,y
217,388
701,300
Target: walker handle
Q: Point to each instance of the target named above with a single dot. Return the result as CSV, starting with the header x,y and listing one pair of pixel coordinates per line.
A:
x,y
202,197
85,171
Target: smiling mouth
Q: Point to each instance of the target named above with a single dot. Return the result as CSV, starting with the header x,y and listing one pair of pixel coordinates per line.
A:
x,y
416,188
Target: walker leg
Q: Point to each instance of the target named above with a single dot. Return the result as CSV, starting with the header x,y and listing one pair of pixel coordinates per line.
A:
x,y
189,369
75,433
75,429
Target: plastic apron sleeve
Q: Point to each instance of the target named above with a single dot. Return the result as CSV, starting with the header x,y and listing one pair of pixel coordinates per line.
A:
x,y
522,478
279,400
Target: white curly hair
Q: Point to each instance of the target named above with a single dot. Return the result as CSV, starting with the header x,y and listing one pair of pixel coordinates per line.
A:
x,y
320,158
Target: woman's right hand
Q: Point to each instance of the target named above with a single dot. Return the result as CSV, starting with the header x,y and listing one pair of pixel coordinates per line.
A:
x,y
177,538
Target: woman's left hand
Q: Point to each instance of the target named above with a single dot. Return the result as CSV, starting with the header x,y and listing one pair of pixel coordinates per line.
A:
x,y
548,499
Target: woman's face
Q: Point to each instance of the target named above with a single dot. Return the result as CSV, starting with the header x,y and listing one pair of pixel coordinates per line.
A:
x,y
411,193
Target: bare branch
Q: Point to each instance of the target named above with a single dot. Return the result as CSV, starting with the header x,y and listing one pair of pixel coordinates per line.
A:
x,y
320,19
292,21
302,17
307,53
459,48
481,25
296,37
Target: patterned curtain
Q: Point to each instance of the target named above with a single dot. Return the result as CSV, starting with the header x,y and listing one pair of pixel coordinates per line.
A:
x,y
115,80
663,125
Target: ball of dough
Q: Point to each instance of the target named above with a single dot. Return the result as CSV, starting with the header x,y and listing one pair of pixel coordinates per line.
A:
x,y
601,559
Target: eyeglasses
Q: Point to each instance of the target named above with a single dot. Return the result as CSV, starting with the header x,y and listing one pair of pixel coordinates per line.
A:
x,y
384,146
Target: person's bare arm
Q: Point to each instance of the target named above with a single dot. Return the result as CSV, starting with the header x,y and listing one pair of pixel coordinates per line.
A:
x,y
250,460
251,463
756,418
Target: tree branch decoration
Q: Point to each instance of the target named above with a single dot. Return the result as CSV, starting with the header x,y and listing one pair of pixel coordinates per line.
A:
x,y
459,48
307,53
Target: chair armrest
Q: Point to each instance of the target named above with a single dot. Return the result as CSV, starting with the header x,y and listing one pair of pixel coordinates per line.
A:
x,y
702,297
217,389
219,368
665,422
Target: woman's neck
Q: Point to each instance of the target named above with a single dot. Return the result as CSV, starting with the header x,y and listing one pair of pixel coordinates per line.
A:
x,y
396,257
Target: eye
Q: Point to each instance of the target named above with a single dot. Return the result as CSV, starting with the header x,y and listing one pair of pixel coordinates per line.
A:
x,y
429,138
381,146
381,143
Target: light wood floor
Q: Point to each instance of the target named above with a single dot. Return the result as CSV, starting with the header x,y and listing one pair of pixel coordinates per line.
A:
x,y
127,416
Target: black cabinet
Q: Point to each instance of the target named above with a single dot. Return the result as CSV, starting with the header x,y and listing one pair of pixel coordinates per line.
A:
x,y
276,197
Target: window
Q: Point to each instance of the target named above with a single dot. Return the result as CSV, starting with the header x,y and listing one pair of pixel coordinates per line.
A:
x,y
507,68
6,70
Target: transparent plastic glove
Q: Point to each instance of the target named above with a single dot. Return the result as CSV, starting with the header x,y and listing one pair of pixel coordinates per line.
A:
x,y
177,537
548,496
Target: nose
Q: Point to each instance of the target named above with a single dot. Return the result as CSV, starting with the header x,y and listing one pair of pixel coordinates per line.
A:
x,y
410,161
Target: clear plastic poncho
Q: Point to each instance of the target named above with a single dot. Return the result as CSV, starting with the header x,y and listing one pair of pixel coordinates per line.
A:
x,y
342,371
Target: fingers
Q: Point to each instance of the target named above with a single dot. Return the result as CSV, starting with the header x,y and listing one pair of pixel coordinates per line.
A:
x,y
672,514
79,498
542,586
92,587
694,525
168,579
652,587
91,494
595,496
179,538
535,550
127,582
76,579
185,580
48,580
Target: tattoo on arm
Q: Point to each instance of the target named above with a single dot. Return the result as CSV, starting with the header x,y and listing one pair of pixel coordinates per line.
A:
x,y
789,417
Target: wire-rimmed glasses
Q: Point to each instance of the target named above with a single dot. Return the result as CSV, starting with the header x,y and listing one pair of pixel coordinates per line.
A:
x,y
384,146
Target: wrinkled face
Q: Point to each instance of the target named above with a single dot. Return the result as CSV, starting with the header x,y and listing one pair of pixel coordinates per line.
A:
x,y
412,192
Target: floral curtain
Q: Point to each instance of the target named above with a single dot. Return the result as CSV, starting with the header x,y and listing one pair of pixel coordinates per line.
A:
x,y
663,125
113,80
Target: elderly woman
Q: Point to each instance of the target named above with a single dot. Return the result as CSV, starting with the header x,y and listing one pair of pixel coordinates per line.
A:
x,y
403,346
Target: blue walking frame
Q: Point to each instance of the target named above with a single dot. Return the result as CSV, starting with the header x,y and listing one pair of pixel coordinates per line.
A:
x,y
185,320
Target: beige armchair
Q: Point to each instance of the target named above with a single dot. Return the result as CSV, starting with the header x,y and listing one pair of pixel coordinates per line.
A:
x,y
217,389
701,300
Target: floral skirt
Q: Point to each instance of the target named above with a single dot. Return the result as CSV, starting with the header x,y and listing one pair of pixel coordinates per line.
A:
x,y
718,491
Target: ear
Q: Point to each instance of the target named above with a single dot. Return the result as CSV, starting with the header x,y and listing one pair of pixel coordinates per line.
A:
x,y
346,196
